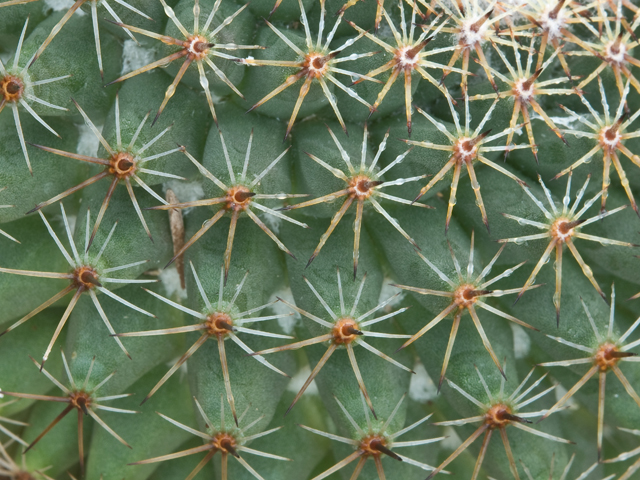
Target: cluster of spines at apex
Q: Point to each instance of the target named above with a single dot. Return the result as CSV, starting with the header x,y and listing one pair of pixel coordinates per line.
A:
x,y
473,27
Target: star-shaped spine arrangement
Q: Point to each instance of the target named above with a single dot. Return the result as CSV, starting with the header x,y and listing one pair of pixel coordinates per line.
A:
x,y
16,87
610,134
409,55
373,441
219,321
626,456
500,412
11,470
614,47
467,293
466,147
124,164
227,441
562,226
553,19
94,18
524,88
318,63
79,396
344,330
197,46
237,198
362,185
603,357
473,25
86,276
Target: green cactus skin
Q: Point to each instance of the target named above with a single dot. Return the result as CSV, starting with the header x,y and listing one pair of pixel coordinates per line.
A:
x,y
237,251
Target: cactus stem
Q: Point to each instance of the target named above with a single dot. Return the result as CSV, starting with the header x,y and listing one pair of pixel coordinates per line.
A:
x,y
498,414
122,165
85,277
553,20
372,443
466,147
96,32
82,399
604,358
626,455
345,331
362,185
408,57
467,294
614,49
197,46
217,322
317,63
473,26
15,90
562,228
524,88
239,197
611,134
218,440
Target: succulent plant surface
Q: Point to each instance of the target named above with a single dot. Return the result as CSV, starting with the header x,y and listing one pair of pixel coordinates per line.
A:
x,y
319,239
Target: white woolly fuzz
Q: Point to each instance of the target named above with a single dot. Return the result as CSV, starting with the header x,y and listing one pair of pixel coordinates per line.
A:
x,y
134,56
88,143
298,380
185,191
564,121
553,26
524,90
616,52
388,291
451,440
182,370
171,283
471,36
286,323
521,341
422,389
572,404
62,5
272,222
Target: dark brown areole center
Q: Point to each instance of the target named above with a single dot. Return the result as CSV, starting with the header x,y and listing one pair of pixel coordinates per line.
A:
x,y
345,331
238,198
11,88
226,443
86,277
219,324
122,165
608,355
500,415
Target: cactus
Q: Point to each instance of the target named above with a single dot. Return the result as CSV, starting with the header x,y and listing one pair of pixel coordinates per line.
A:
x,y
160,157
